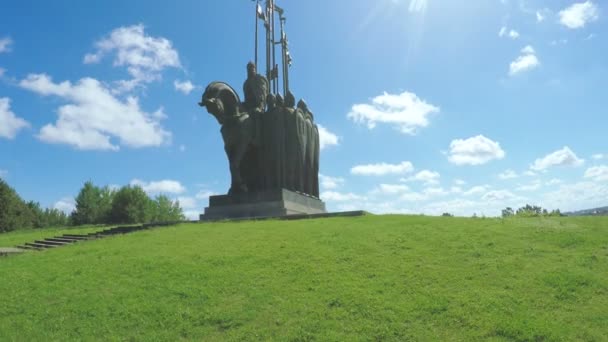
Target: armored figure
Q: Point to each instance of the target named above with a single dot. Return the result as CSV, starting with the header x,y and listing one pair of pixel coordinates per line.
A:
x,y
255,89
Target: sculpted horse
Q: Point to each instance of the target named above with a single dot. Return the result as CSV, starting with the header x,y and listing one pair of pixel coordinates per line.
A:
x,y
238,129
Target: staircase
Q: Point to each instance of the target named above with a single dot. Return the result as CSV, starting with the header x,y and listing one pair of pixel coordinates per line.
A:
x,y
68,239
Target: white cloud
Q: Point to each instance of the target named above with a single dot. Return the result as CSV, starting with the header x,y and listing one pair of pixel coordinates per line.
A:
x,y
204,194
5,44
459,182
498,195
529,173
524,62
2,71
162,186
435,191
413,197
186,202
563,157
554,181
474,151
478,189
456,189
66,204
539,17
598,156
506,32
10,124
597,173
94,116
418,6
581,195
507,174
340,197
3,173
535,185
327,138
185,87
528,49
143,56
502,32
330,183
391,189
426,176
382,169
578,15
182,148
193,215
405,111
426,194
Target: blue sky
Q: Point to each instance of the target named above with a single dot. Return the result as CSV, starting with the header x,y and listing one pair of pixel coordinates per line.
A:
x,y
426,106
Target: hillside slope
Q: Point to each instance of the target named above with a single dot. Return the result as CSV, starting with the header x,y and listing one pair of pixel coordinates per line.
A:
x,y
367,278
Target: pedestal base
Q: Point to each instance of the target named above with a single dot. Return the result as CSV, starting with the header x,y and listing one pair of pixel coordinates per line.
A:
x,y
274,203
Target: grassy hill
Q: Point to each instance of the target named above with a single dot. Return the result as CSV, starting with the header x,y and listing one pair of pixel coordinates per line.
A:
x,y
368,278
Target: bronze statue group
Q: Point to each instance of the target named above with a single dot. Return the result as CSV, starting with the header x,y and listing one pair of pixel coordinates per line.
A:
x,y
270,142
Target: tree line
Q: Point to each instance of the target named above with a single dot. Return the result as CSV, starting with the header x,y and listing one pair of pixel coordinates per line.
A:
x,y
530,211
94,205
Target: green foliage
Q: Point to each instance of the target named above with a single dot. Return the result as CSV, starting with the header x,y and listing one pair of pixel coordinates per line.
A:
x,y
372,278
88,205
46,218
530,211
165,210
17,214
131,204
94,205
14,213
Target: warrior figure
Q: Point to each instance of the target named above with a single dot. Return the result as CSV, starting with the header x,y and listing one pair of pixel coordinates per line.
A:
x,y
255,89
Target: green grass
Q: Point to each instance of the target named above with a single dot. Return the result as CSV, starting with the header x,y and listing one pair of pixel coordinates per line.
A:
x,y
393,278
20,237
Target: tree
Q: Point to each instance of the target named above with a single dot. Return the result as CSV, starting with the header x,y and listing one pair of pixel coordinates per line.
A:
x,y
14,213
54,218
106,197
131,205
166,210
507,212
555,212
36,214
87,205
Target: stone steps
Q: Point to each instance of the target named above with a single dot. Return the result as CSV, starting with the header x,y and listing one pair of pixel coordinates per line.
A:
x,y
59,239
70,239
50,242
38,245
75,236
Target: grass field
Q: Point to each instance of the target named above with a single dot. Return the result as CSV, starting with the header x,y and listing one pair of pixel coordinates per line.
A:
x,y
341,279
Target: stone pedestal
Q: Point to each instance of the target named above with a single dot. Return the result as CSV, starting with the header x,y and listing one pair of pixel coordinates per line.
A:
x,y
273,203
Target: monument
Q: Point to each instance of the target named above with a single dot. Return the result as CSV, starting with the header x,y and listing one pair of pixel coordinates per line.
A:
x,y
272,145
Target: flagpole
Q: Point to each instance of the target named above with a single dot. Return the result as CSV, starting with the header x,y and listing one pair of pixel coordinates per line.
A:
x,y
283,50
276,90
257,5
267,26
